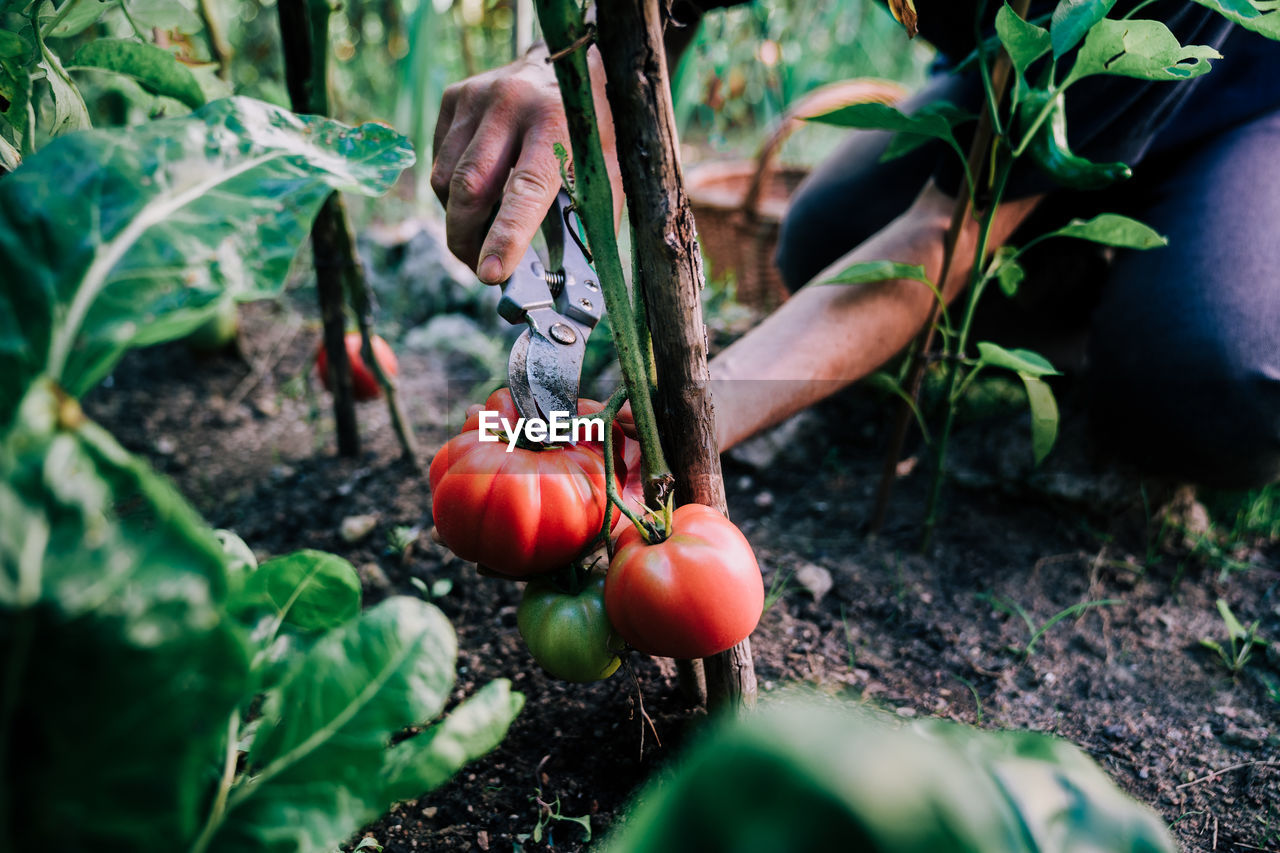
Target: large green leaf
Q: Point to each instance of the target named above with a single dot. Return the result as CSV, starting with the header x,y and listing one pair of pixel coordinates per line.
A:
x,y
1143,49
310,590
120,670
810,776
119,238
426,761
332,720
156,70
80,15
869,272
1072,19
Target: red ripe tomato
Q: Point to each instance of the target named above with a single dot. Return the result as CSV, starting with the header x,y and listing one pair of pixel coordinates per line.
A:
x,y
522,513
363,385
696,593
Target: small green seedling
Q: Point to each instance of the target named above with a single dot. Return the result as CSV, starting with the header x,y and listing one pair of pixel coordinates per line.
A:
x,y
1241,641
778,587
1012,608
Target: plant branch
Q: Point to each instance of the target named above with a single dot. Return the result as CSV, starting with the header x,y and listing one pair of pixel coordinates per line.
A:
x,y
219,808
978,151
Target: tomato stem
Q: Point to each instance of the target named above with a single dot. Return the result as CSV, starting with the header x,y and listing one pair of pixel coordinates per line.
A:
x,y
608,414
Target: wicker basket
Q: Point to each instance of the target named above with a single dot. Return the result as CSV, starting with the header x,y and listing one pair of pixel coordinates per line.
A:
x,y
739,204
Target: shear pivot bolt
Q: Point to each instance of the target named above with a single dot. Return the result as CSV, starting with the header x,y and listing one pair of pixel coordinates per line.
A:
x,y
563,334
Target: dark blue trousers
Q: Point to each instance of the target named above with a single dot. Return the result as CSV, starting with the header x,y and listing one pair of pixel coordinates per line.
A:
x,y
1183,343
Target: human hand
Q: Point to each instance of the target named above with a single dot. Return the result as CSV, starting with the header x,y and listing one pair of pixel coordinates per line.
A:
x,y
494,142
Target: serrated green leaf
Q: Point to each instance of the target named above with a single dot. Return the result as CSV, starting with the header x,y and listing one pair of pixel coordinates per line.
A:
x,y
127,237
428,760
336,712
1112,229
1022,361
310,590
1044,416
1024,41
121,671
1146,50
869,272
156,70
1072,19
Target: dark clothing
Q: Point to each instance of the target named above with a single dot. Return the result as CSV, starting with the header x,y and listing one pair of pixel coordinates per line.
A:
x,y
1184,342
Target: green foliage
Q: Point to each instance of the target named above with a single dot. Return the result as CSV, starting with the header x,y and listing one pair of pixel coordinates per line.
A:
x,y
153,68
1241,641
112,239
799,776
131,669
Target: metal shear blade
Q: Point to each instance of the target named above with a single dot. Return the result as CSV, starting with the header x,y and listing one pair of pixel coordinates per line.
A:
x,y
560,308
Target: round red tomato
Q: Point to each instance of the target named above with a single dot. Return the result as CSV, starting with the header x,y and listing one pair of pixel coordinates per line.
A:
x,y
519,513
363,384
696,593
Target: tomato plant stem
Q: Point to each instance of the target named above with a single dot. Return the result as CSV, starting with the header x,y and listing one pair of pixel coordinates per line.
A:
x,y
568,34
610,473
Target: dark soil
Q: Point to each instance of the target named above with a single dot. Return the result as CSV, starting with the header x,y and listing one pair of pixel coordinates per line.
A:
x,y
922,635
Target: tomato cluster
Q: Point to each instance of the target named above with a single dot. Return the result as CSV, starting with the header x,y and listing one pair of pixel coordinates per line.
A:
x,y
682,584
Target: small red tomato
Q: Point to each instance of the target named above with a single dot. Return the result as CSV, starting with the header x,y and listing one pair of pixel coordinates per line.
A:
x,y
363,385
696,593
519,513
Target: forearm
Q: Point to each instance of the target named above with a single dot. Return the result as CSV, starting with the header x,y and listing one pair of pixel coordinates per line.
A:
x,y
826,337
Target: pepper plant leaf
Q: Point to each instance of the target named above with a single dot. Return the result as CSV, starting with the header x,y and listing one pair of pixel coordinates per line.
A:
x,y
1024,41
929,124
1146,50
1112,229
1072,19
1261,16
127,237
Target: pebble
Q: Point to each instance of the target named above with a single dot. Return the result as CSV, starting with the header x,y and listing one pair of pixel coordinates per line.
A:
x,y
357,527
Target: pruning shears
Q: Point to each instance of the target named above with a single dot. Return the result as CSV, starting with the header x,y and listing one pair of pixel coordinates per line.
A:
x,y
561,307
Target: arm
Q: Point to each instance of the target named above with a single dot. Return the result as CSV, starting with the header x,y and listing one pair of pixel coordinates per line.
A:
x,y
825,337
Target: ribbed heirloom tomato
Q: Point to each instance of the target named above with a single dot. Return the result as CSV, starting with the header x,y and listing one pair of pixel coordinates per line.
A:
x,y
363,384
569,635
696,593
521,513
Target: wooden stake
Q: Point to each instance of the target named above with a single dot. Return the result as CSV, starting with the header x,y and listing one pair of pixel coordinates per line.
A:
x,y
670,278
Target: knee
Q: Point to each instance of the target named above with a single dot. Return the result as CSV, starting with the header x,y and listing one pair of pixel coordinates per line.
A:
x,y
1212,419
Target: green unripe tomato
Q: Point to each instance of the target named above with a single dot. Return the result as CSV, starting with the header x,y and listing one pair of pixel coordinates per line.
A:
x,y
569,635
